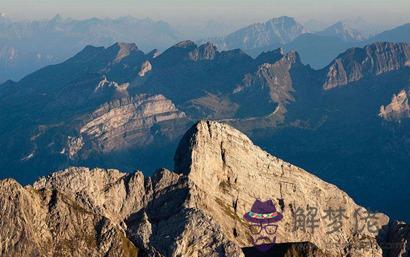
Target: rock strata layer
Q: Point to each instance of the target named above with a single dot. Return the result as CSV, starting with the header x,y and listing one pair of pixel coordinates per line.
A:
x,y
358,63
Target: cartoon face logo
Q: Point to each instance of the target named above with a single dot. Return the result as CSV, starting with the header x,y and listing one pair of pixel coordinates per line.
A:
x,y
262,219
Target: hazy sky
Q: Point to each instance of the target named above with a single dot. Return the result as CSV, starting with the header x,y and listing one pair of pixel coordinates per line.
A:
x,y
233,11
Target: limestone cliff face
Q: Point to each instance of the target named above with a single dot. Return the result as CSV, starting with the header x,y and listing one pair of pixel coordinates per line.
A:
x,y
195,211
124,122
229,173
358,63
397,109
49,223
109,193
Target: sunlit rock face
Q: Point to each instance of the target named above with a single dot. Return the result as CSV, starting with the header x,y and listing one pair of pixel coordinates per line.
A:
x,y
397,109
358,63
127,121
198,210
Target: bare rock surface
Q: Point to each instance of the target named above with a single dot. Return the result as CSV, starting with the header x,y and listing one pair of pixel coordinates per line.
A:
x,y
145,68
125,122
195,211
357,63
48,223
274,78
398,108
229,173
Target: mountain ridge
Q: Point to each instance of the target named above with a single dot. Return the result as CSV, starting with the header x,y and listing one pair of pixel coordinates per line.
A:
x,y
176,212
277,31
153,98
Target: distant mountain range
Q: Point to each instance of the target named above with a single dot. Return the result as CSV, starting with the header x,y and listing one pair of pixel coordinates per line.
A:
x,y
398,34
280,30
28,46
118,107
317,47
342,32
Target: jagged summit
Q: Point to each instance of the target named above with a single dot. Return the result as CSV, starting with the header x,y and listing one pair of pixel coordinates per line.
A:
x,y
115,53
123,50
93,111
284,28
187,51
195,211
276,31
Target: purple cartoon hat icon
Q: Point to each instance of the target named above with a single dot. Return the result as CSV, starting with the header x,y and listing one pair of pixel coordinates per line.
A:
x,y
263,212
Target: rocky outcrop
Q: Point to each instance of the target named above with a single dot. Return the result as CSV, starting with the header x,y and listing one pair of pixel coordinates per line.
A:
x,y
187,51
272,77
196,211
145,68
124,50
358,63
398,108
125,122
50,223
109,193
229,178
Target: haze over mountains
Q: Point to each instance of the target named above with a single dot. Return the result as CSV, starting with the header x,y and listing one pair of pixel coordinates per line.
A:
x,y
316,47
208,129
27,46
119,107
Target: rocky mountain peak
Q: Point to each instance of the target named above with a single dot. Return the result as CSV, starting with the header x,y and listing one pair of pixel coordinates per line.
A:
x,y
271,84
207,51
196,211
287,28
187,51
229,173
275,31
123,50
